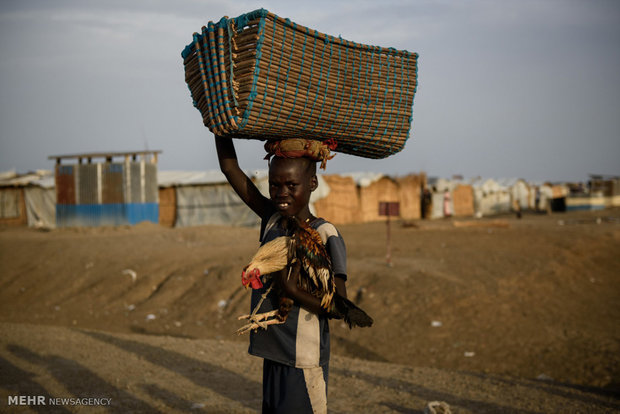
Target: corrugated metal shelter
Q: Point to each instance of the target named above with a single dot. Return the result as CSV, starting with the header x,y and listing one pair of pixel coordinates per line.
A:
x,y
106,193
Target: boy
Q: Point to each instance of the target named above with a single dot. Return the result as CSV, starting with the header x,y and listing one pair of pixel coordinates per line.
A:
x,y
296,353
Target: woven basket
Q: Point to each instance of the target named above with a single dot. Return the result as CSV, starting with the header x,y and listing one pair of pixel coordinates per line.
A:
x,y
260,76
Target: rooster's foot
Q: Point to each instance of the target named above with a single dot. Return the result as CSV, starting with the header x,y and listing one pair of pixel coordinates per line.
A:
x,y
259,321
255,324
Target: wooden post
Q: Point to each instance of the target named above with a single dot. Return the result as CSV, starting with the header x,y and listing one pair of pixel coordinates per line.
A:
x,y
389,209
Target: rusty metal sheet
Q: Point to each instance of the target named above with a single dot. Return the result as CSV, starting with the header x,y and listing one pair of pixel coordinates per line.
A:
x,y
65,185
112,183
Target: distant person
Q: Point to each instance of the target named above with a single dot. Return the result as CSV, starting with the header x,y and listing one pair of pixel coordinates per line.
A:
x,y
447,204
517,208
426,203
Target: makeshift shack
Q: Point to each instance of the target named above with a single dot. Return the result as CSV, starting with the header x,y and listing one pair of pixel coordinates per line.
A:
x,y
373,189
463,200
198,198
104,192
341,205
27,199
608,186
410,189
490,197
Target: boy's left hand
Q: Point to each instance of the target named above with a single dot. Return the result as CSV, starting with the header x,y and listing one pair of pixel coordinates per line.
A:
x,y
289,282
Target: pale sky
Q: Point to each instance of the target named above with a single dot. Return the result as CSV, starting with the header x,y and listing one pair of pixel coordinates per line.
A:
x,y
515,88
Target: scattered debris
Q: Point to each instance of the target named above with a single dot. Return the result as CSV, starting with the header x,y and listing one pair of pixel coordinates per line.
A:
x,y
409,225
481,223
437,407
206,272
150,317
197,406
436,324
469,354
131,307
89,265
131,273
544,377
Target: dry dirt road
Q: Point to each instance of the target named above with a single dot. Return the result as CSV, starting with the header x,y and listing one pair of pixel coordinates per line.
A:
x,y
491,315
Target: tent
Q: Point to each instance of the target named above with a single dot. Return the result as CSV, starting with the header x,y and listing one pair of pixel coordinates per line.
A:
x,y
28,199
198,198
490,197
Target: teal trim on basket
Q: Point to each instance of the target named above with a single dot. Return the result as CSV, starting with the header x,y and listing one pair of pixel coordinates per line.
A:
x,y
213,70
384,97
244,19
377,95
400,101
318,86
405,119
301,71
331,107
303,111
393,97
366,97
329,70
357,93
260,113
259,47
414,91
231,62
390,139
201,68
346,66
288,70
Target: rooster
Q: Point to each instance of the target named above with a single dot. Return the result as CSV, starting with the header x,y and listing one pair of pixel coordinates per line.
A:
x,y
305,252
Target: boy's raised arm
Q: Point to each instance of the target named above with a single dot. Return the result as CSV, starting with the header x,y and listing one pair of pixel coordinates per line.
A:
x,y
239,181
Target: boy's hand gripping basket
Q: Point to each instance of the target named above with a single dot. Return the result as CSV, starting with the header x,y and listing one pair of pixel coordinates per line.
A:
x,y
263,77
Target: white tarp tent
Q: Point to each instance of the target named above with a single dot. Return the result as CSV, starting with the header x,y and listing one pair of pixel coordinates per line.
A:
x,y
206,198
490,197
39,196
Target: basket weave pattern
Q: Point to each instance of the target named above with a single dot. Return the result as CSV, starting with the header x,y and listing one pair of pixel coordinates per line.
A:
x,y
260,76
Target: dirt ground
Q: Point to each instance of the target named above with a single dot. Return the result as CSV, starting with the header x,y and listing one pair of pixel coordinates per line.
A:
x,y
489,315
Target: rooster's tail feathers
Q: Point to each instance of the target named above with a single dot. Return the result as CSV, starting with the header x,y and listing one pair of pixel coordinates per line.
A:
x,y
352,314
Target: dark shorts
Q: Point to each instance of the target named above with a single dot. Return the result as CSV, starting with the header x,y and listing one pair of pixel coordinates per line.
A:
x,y
294,390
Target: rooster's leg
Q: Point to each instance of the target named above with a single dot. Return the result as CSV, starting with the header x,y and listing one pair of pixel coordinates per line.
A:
x,y
258,305
257,320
